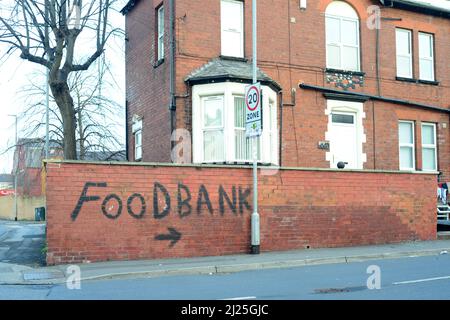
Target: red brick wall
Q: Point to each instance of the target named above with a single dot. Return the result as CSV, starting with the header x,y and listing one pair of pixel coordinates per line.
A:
x,y
298,208
147,91
292,51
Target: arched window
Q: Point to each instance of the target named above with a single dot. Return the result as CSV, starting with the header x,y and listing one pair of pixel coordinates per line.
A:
x,y
342,37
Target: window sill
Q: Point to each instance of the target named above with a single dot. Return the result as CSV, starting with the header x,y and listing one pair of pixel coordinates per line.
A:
x,y
238,163
353,73
158,63
430,82
241,59
417,81
406,79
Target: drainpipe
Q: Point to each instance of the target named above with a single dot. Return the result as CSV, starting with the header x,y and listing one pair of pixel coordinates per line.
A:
x,y
127,134
282,105
172,103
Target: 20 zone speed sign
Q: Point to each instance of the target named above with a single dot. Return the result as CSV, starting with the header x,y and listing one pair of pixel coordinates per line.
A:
x,y
253,111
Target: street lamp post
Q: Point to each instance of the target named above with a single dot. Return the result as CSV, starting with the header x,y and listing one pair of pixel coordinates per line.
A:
x,y
255,223
16,169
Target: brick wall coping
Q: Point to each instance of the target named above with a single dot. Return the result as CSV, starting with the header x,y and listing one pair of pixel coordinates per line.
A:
x,y
212,166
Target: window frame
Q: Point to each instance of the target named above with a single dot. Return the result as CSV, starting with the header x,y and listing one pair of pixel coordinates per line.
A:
x,y
160,32
248,143
241,31
340,44
430,146
138,146
432,58
410,56
212,128
407,145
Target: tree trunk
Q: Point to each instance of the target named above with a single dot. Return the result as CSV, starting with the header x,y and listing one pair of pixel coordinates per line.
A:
x,y
61,94
81,135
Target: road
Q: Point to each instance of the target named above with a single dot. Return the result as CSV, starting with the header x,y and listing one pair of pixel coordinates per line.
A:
x,y
406,278
22,243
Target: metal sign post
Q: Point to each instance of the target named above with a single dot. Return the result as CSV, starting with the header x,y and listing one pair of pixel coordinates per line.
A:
x,y
253,131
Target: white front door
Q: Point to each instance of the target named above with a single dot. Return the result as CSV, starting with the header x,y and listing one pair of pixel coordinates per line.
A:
x,y
343,142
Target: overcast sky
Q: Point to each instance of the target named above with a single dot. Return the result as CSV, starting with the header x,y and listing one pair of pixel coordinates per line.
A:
x,y
16,73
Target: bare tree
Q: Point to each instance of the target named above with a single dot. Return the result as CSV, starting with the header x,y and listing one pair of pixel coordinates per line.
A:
x,y
46,32
96,115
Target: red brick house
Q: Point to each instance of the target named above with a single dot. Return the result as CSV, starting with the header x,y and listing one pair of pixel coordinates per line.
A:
x,y
335,86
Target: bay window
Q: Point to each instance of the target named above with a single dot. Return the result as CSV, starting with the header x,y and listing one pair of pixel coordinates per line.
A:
x,y
218,113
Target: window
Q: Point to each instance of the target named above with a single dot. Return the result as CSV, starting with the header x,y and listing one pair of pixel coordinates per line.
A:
x,y
160,29
232,26
404,53
218,115
429,158
426,56
138,145
243,146
406,145
342,37
213,140
342,118
137,131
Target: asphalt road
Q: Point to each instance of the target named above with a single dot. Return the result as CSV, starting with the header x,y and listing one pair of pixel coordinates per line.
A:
x,y
407,278
22,243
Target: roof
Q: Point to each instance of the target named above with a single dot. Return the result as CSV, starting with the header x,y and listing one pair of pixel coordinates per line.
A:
x,y
37,142
129,6
119,155
433,7
229,69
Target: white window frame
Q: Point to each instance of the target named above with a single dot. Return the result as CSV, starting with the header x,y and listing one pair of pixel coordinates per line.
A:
x,y
249,142
430,146
407,145
137,132
138,146
340,44
229,90
430,39
224,50
409,56
160,30
219,128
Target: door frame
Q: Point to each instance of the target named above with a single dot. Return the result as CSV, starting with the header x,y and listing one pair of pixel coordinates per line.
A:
x,y
356,108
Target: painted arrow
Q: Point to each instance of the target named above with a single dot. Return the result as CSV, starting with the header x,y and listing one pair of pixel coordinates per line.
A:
x,y
173,235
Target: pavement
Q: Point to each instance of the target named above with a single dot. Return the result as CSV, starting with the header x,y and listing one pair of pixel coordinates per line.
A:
x,y
21,243
13,274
